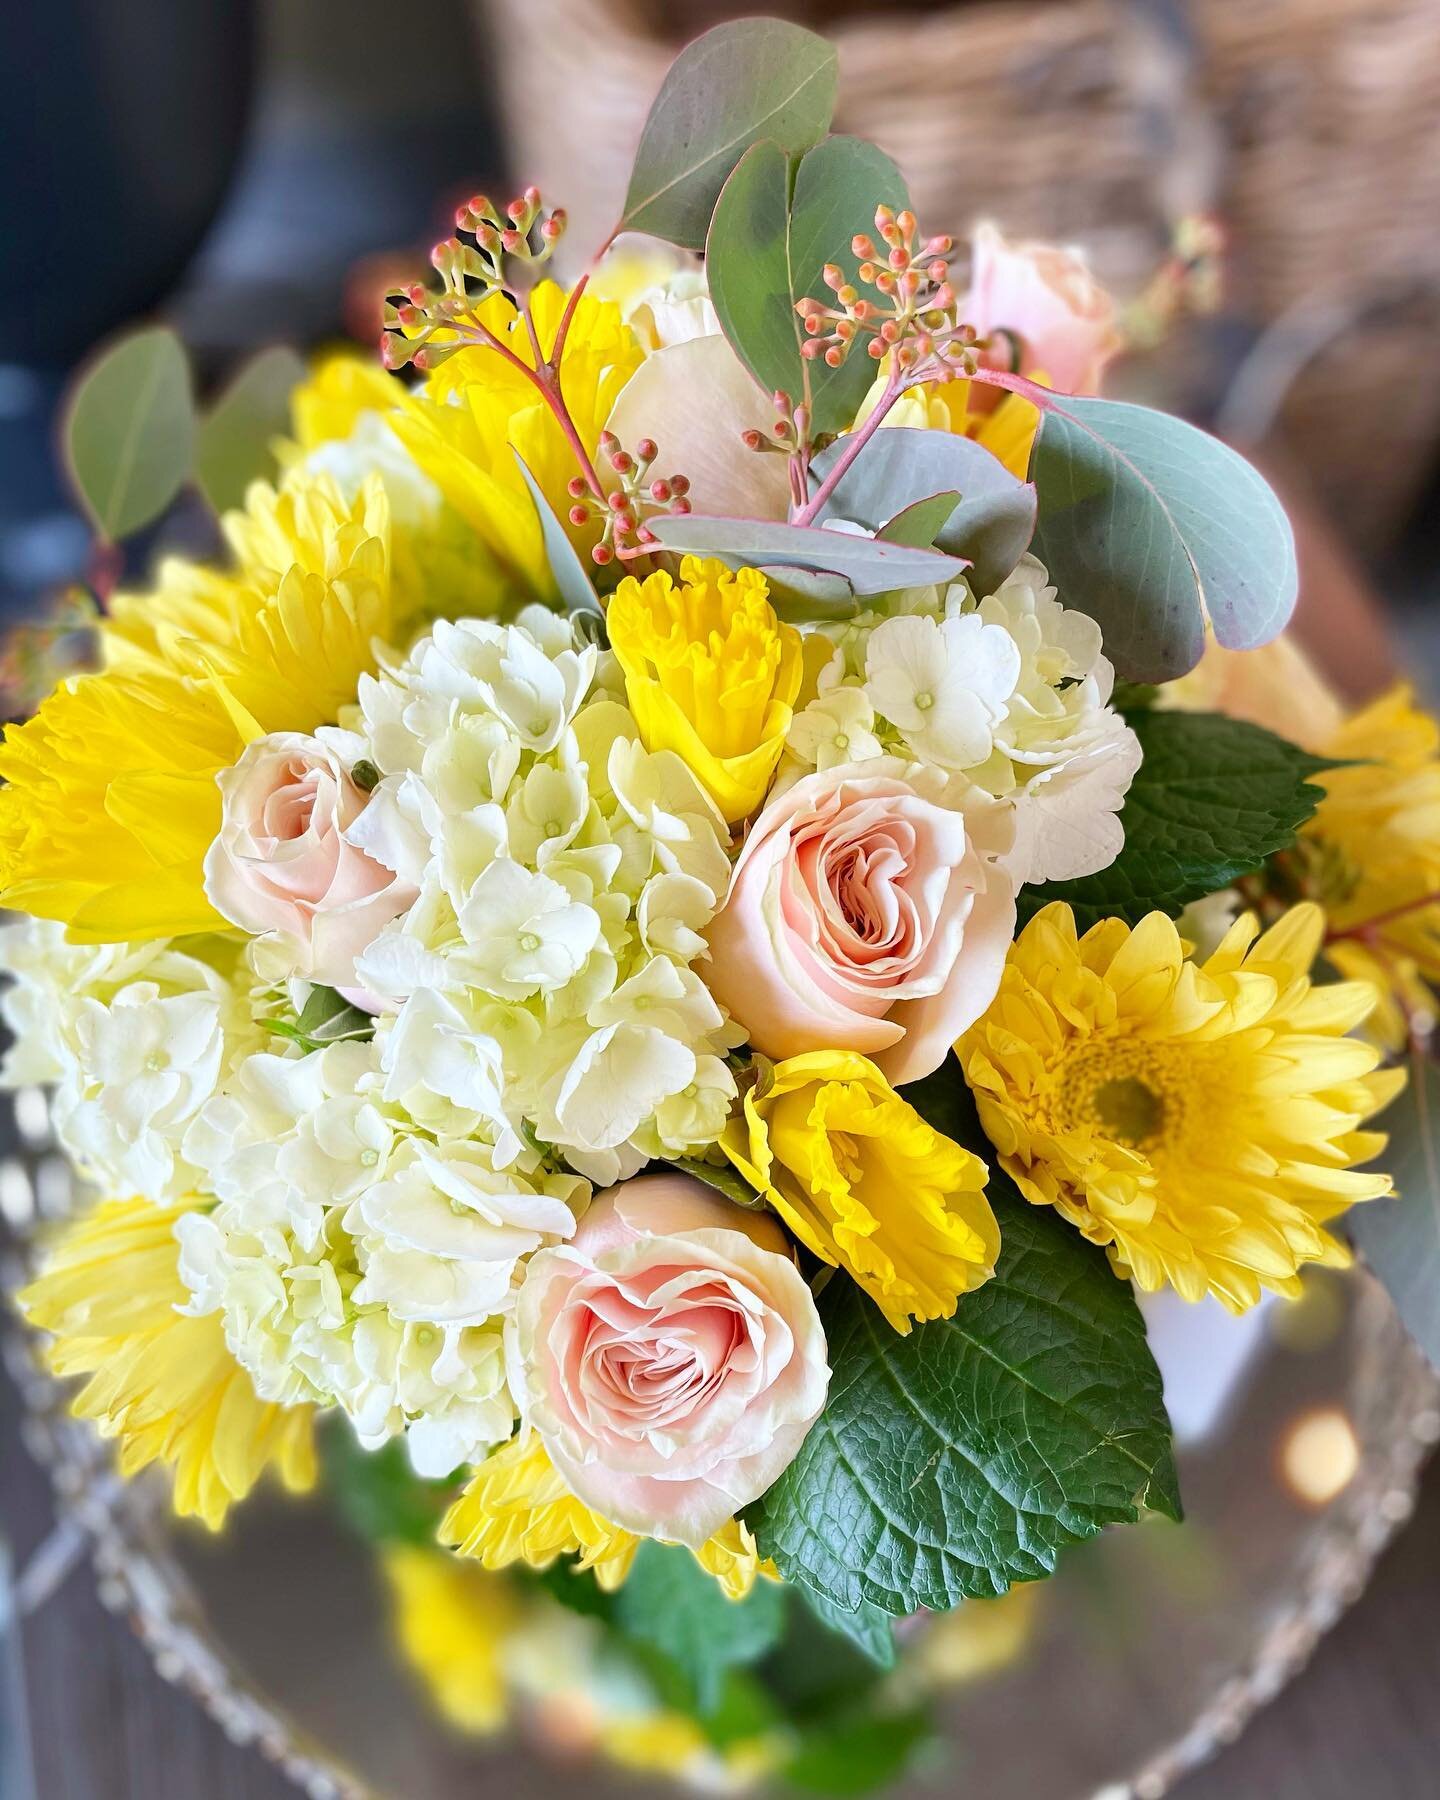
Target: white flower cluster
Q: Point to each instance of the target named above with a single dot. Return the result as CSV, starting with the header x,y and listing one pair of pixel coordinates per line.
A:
x,y
543,977
133,1038
358,1260
1010,693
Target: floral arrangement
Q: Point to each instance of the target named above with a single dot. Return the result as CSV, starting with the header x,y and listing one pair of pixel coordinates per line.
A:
x,y
687,918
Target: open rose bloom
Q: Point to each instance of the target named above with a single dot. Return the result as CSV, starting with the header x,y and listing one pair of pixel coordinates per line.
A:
x,y
689,917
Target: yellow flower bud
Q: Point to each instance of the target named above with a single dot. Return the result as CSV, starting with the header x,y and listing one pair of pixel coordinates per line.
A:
x,y
866,1184
710,673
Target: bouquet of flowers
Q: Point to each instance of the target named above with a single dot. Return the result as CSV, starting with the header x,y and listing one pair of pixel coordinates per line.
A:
x,y
670,930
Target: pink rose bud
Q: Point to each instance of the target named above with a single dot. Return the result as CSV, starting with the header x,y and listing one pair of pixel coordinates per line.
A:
x,y
669,1356
1048,299
864,915
282,864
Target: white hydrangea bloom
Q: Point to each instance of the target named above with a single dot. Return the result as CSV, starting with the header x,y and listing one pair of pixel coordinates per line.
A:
x,y
542,979
134,1039
1010,694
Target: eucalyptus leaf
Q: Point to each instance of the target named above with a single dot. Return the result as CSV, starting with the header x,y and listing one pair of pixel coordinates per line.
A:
x,y
775,228
920,522
1400,1238
990,526
802,596
1151,525
129,431
238,433
574,584
741,82
870,565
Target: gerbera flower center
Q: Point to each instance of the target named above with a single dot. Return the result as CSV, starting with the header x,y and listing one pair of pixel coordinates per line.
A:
x,y
1130,1110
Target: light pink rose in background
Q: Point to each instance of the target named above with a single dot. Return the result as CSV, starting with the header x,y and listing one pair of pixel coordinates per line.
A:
x,y
1048,298
865,915
669,1356
282,862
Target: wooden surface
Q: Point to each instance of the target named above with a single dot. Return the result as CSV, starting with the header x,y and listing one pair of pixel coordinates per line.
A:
x,y
1361,1723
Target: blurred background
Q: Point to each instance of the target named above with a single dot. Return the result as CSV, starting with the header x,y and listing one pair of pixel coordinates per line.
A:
x,y
258,171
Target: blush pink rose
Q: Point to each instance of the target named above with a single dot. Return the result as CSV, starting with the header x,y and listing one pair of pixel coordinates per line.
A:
x,y
669,1356
864,915
283,864
1048,299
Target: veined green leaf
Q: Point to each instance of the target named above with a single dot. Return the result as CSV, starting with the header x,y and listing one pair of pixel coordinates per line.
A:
x,y
237,435
960,1459
776,225
744,81
670,1602
1211,800
1151,525
129,431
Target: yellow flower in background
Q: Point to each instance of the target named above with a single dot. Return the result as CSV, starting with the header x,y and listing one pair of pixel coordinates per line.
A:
x,y
1005,428
342,387
162,1383
1202,1121
866,1184
453,1621
710,673
1372,856
517,1508
110,802
473,412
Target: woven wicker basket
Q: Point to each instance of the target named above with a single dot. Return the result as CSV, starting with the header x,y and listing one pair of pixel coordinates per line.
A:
x,y
1312,125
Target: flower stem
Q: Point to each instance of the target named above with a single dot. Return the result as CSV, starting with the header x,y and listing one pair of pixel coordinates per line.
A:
x,y
1367,928
894,387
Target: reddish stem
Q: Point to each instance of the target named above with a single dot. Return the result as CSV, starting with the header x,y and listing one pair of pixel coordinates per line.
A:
x,y
562,330
854,444
1368,927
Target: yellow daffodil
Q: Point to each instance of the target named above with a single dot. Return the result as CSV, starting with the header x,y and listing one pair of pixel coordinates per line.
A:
x,y
1202,1121
1372,854
453,1622
464,425
866,1184
710,673
164,1384
516,1508
110,801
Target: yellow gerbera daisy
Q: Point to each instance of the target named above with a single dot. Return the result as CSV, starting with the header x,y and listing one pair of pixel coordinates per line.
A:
x,y
1200,1120
711,673
110,800
1372,856
516,1508
473,412
161,1382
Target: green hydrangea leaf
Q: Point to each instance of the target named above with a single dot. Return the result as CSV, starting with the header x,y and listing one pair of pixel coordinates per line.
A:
x,y
776,225
238,433
868,1628
671,1604
1212,800
129,431
964,1457
1400,1238
745,81
851,1756
326,1018
1152,526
